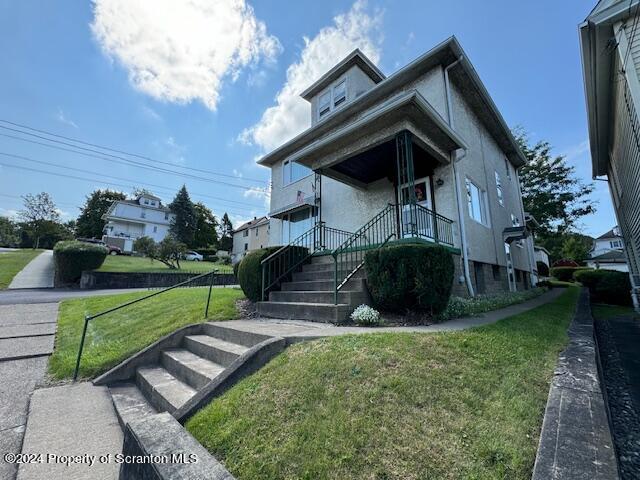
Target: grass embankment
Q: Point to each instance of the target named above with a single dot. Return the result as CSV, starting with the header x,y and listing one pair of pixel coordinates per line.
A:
x,y
603,312
125,263
115,336
392,405
12,262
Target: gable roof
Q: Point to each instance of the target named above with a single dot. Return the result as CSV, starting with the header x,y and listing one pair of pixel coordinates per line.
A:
x,y
610,234
463,74
354,58
612,256
256,222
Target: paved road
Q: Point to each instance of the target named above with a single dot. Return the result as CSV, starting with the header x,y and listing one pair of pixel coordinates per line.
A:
x,y
26,341
37,274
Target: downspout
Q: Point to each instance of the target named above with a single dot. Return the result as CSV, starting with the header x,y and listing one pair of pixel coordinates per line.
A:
x,y
454,159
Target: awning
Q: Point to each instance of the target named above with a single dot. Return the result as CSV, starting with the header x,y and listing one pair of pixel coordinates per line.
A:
x,y
511,234
307,202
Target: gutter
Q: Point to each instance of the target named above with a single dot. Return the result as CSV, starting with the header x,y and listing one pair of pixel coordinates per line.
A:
x,y
454,159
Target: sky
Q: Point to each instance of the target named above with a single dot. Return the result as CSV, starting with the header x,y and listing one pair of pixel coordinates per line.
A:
x,y
202,89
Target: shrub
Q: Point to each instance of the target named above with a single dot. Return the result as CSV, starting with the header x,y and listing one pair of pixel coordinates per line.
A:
x,y
235,269
146,246
543,269
366,316
607,286
211,258
565,274
72,257
465,307
410,277
250,272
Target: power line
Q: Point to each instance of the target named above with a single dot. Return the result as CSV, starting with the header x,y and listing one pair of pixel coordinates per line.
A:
x,y
123,152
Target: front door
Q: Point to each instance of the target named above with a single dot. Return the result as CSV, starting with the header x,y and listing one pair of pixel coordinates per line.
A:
x,y
416,219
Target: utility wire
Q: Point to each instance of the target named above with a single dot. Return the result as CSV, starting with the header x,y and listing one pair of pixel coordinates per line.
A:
x,y
123,152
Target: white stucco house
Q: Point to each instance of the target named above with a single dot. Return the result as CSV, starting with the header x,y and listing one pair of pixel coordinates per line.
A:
x,y
608,252
128,220
421,155
611,240
249,236
541,255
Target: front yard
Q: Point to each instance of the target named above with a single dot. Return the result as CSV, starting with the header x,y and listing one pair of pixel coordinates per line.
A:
x,y
116,336
395,405
125,263
12,262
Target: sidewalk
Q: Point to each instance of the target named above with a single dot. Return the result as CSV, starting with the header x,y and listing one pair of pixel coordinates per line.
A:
x,y
37,274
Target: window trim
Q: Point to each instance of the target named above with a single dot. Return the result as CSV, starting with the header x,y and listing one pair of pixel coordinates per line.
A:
x,y
324,112
484,206
343,99
286,182
499,189
330,91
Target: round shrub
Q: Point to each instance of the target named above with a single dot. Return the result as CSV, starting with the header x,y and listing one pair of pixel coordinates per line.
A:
x,y
72,257
565,274
543,269
607,286
250,272
366,316
410,277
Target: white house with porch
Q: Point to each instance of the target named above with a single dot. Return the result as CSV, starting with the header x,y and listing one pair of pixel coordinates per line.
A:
x,y
423,154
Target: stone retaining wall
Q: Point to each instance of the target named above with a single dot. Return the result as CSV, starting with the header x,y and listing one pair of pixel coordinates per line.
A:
x,y
105,280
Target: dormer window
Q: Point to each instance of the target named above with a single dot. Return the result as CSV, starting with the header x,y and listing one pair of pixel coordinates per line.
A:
x,y
324,104
340,93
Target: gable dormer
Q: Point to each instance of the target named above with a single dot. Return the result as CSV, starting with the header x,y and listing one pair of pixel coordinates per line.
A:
x,y
148,200
342,84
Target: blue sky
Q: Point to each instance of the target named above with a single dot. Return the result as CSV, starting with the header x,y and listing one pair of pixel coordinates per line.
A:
x,y
212,87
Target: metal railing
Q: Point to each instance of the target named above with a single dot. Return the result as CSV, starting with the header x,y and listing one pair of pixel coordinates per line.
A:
x,y
281,263
348,258
432,226
88,318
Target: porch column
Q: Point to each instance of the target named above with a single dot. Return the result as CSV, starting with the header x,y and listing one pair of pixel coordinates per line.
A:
x,y
406,202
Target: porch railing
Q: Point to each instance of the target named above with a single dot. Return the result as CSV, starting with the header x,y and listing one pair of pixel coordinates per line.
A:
x,y
433,226
277,267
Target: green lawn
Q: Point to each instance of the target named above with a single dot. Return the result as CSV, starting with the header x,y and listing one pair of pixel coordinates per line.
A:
x,y
395,405
125,263
116,336
12,262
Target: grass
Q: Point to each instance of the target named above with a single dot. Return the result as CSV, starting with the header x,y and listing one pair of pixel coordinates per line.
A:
x,y
116,336
395,405
602,311
12,262
125,263
468,307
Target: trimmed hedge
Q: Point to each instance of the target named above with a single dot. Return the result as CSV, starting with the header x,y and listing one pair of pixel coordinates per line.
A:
x,y
410,277
565,274
543,269
250,272
71,257
607,286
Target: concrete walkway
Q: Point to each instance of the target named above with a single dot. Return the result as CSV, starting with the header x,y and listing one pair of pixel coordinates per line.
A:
x,y
37,274
297,330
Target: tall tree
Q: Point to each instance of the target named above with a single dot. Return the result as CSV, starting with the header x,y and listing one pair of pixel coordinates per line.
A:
x,y
226,233
206,234
576,248
551,191
183,225
9,233
90,223
38,213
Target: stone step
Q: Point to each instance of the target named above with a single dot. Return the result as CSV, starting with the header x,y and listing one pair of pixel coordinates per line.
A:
x,y
325,267
239,337
321,259
164,391
214,349
129,403
353,298
314,312
355,284
322,275
189,367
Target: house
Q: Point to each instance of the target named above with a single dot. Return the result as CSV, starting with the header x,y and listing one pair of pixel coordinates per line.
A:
x,y
128,220
608,252
423,154
610,44
541,254
250,236
611,240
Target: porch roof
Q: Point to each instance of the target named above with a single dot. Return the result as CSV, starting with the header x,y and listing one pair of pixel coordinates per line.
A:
x,y
307,202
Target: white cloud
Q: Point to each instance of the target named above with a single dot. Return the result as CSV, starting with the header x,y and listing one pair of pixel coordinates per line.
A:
x,y
263,193
62,118
290,115
182,51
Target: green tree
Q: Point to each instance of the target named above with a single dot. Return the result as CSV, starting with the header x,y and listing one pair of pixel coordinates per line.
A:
x,y
576,248
226,233
9,233
206,234
183,225
38,214
90,223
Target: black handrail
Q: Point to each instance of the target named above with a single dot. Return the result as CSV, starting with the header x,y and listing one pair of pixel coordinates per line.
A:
x,y
88,318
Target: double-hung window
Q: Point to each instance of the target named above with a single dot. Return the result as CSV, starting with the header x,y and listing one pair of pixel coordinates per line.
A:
x,y
340,93
245,233
506,167
324,104
292,172
515,221
476,203
616,244
499,189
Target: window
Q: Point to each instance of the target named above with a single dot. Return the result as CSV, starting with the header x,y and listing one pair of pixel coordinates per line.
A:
x,y
256,232
476,202
246,247
292,172
143,214
506,167
245,233
496,272
166,215
153,203
296,223
616,244
515,221
340,93
324,104
499,189
155,229
146,201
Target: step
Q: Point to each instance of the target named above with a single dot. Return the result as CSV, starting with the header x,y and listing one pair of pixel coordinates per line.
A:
x,y
129,403
321,259
314,312
327,275
239,337
353,298
325,267
189,367
164,391
355,284
214,349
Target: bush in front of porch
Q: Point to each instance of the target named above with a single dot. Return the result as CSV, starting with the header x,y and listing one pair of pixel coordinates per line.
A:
x,y
250,272
410,277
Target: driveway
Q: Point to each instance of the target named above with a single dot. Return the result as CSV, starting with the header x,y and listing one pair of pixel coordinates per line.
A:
x,y
37,274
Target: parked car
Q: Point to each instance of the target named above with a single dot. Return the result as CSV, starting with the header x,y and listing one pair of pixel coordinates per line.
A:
x,y
193,256
113,250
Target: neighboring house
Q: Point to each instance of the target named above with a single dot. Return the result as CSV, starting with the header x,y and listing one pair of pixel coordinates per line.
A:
x,y
610,41
611,260
423,154
250,236
541,254
128,220
612,240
